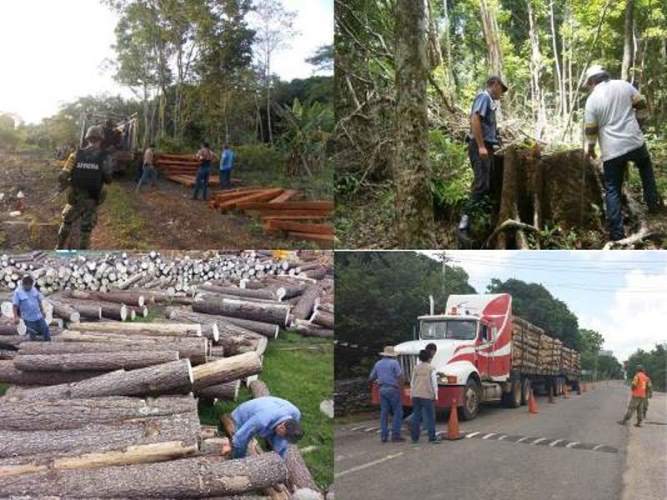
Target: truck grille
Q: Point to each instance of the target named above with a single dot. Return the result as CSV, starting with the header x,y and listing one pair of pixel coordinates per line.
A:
x,y
407,362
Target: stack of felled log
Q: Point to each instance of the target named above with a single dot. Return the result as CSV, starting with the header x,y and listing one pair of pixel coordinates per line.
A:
x,y
182,169
550,354
281,211
118,399
570,362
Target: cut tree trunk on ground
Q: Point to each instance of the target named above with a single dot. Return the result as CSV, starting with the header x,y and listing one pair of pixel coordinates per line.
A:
x,y
167,378
194,348
116,360
66,312
259,389
297,471
265,329
304,307
167,329
264,293
75,413
10,375
308,329
88,311
266,313
226,369
322,318
100,437
187,477
129,298
228,391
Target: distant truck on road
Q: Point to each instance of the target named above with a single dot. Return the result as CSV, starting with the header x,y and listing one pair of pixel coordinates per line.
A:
x,y
485,354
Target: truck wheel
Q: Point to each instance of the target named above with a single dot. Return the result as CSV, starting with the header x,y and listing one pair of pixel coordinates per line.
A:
x,y
512,399
471,400
525,391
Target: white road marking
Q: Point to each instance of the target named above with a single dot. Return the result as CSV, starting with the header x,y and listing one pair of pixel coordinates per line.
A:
x,y
489,435
367,465
539,440
523,439
598,446
371,429
554,443
572,444
472,434
502,437
357,428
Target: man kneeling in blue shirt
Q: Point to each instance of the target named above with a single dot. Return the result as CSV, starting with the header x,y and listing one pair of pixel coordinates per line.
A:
x,y
274,419
27,301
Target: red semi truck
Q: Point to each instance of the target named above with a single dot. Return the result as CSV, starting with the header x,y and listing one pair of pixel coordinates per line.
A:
x,y
486,354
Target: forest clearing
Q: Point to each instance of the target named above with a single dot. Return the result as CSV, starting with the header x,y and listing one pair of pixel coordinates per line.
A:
x,y
149,356
203,115
408,77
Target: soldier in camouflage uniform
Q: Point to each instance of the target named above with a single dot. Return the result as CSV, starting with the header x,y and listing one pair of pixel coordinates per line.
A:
x,y
84,174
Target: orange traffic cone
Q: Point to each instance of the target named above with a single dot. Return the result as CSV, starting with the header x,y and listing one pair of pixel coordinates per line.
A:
x,y
532,404
453,424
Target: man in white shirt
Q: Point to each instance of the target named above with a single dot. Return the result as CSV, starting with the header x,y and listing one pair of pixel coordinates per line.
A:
x,y
611,118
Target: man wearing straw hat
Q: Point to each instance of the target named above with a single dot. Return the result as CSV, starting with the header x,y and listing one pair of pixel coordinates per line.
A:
x,y
387,372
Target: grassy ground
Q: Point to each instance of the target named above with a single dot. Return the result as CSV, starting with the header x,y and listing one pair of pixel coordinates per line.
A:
x,y
300,370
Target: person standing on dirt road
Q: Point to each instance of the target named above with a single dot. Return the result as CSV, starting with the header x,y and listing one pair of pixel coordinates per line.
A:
x,y
389,376
638,387
84,174
482,141
205,156
614,109
148,172
226,165
27,305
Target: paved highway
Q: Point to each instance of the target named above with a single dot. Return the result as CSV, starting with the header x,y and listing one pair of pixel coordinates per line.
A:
x,y
573,449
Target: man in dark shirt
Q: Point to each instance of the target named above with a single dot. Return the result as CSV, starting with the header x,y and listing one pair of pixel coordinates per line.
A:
x,y
482,140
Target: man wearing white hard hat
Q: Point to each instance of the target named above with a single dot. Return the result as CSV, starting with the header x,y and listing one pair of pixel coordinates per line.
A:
x,y
613,111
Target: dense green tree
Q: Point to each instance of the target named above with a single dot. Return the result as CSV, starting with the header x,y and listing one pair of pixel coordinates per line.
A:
x,y
655,364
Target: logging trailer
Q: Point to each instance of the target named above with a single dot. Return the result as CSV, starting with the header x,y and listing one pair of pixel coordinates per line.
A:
x,y
486,354
121,137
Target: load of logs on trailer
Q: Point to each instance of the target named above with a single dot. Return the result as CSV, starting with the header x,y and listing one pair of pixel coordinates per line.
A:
x,y
535,351
281,211
182,169
119,398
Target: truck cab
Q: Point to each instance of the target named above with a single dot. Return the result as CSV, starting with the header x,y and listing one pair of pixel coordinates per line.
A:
x,y
473,337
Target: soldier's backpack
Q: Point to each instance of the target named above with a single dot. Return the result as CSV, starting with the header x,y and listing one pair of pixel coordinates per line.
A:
x,y
87,174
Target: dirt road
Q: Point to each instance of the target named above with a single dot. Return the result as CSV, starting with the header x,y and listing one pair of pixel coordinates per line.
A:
x,y
165,218
571,449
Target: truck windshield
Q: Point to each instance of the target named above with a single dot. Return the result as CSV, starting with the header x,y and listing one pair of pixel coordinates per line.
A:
x,y
450,329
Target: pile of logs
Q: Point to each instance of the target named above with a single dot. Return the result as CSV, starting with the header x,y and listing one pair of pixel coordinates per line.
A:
x,y
182,169
534,351
281,211
118,399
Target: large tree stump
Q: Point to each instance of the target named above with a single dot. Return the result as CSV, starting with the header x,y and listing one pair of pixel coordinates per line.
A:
x,y
167,378
76,413
188,477
92,361
226,369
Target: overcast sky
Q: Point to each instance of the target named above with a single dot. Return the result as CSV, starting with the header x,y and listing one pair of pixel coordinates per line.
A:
x,y
52,51
622,295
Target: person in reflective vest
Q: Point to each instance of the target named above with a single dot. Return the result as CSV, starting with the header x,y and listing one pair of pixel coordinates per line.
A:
x,y
639,386
83,176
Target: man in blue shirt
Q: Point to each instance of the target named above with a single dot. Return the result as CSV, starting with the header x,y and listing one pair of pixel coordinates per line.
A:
x,y
27,301
387,372
226,165
274,419
482,141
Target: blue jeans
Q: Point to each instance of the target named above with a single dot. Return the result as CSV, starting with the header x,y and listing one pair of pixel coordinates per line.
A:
x,y
613,183
422,408
390,402
225,178
148,174
38,328
201,183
